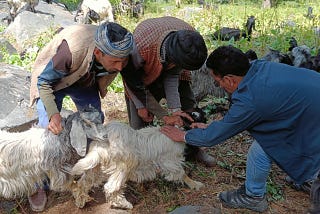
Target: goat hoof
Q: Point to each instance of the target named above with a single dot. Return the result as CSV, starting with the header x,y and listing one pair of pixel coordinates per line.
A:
x,y
80,204
197,185
122,203
82,200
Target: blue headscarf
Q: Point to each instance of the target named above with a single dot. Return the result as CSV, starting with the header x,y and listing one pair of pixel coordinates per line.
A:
x,y
120,49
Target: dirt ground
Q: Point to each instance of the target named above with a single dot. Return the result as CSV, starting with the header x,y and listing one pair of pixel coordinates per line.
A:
x,y
160,196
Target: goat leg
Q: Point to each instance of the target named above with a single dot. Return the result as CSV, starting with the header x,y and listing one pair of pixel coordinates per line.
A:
x,y
80,191
114,187
192,184
118,200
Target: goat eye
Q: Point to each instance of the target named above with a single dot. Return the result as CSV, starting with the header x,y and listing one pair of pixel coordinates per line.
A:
x,y
105,136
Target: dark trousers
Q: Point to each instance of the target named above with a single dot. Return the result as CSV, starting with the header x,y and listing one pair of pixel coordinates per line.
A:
x,y
81,96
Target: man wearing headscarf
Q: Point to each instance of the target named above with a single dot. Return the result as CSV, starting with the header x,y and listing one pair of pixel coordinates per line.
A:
x,y
167,49
80,62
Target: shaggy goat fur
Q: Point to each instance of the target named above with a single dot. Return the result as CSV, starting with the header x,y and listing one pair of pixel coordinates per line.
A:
x,y
30,157
203,84
101,9
128,154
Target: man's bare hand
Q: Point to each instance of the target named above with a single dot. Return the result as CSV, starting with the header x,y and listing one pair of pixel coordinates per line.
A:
x,y
145,115
173,120
173,133
199,125
183,114
55,124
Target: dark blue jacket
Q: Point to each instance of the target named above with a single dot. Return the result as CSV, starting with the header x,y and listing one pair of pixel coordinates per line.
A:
x,y
280,106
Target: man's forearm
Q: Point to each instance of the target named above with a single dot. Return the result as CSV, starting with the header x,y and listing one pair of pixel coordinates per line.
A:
x,y
47,98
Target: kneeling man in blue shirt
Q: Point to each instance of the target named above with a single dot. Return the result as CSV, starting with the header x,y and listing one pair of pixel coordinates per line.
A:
x,y
280,106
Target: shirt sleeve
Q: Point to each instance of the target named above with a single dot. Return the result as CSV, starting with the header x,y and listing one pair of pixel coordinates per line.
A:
x,y
57,68
171,87
241,116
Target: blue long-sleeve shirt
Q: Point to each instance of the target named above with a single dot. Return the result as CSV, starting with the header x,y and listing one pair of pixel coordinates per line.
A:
x,y
280,106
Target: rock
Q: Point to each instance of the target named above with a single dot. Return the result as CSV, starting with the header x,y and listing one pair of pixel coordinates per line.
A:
x,y
5,45
28,25
4,10
15,113
196,210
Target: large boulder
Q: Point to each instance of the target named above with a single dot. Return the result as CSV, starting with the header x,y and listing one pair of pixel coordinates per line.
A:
x,y
15,113
4,9
196,210
28,25
7,47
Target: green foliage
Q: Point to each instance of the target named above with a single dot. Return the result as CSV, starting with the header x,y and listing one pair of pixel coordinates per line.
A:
x,y
214,104
71,4
2,28
26,59
117,85
68,104
15,59
170,209
224,165
210,174
273,26
274,190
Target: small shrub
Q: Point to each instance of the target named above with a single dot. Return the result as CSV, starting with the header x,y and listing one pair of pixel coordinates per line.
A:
x,y
274,190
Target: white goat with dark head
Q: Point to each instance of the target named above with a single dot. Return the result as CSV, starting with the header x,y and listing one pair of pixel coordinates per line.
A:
x,y
29,157
128,154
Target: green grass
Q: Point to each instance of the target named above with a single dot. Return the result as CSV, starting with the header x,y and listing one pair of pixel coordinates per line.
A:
x,y
273,28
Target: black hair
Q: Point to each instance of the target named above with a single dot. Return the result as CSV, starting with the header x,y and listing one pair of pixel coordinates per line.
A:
x,y
116,32
186,49
228,60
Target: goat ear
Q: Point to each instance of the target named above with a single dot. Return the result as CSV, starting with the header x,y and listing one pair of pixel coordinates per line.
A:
x,y
78,138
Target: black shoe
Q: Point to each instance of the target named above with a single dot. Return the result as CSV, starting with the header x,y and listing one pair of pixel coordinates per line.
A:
x,y
305,187
315,197
239,199
314,209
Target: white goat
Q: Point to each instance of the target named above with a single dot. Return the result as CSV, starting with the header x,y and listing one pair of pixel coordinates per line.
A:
x,y
30,157
95,11
136,155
